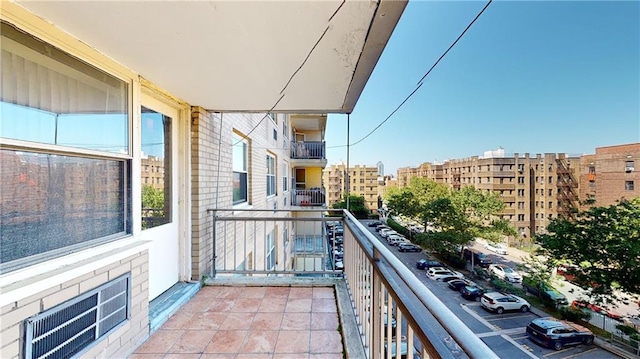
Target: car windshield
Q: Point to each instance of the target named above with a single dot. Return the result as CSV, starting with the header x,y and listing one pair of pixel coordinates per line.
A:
x,y
508,270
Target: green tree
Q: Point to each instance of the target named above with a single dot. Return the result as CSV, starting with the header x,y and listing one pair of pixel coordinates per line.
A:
x,y
604,242
357,206
152,197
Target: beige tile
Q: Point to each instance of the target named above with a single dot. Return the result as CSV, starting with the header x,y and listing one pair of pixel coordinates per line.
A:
x,y
237,321
254,292
220,305
193,341
323,292
298,305
293,341
245,305
226,341
266,321
301,292
207,321
260,342
277,292
325,341
323,305
324,321
296,321
272,305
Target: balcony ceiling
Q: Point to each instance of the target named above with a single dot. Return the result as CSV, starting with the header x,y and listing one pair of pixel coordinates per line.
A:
x,y
239,55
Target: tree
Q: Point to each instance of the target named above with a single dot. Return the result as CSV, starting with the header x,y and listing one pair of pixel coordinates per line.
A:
x,y
152,197
604,242
458,216
357,206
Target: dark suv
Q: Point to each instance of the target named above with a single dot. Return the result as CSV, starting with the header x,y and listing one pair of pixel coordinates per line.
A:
x,y
556,334
428,263
544,292
478,258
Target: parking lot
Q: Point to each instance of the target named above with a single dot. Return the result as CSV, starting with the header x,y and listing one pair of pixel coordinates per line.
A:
x,y
503,333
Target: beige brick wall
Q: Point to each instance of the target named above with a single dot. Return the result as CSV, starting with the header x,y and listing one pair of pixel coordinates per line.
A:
x,y
121,342
212,176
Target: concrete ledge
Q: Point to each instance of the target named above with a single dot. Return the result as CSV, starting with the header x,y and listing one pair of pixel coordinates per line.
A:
x,y
167,303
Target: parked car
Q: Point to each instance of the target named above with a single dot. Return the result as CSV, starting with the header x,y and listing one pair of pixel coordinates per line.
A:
x,y
403,349
472,292
427,263
478,258
457,284
506,273
374,223
544,291
495,247
567,271
584,304
556,334
441,273
338,264
501,302
395,239
409,247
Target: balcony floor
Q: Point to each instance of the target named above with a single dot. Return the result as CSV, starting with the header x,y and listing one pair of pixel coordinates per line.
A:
x,y
251,322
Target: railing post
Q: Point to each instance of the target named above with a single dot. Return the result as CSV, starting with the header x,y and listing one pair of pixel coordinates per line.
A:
x,y
213,241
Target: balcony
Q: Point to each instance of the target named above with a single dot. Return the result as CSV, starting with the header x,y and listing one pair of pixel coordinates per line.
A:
x,y
308,153
308,197
259,303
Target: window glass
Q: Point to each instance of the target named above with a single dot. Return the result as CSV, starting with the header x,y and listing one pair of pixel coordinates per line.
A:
x,y
50,202
240,169
270,259
285,177
50,97
156,164
57,202
271,175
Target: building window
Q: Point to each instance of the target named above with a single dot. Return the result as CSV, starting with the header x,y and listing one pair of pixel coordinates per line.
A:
x,y
66,182
628,185
156,149
521,192
240,169
271,175
285,126
270,250
628,166
550,192
521,217
550,180
273,116
550,204
285,177
520,179
275,134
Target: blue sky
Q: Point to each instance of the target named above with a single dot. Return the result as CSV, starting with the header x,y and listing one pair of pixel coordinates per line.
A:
x,y
529,76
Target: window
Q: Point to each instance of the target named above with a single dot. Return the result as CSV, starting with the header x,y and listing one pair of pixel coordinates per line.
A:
x,y
156,152
521,192
271,175
273,116
270,250
550,180
628,185
520,179
628,166
285,177
520,205
285,126
240,169
70,171
550,204
521,217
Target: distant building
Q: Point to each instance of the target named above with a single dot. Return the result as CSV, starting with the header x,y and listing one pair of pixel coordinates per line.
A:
x,y
360,181
610,175
380,168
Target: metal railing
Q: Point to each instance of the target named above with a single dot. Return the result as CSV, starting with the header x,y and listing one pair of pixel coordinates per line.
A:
x,y
308,150
394,310
308,197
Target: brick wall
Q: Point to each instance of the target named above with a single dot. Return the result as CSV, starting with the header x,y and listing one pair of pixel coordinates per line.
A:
x,y
118,344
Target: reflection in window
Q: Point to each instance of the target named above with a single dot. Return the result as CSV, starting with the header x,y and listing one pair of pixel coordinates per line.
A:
x,y
271,175
50,97
156,154
50,202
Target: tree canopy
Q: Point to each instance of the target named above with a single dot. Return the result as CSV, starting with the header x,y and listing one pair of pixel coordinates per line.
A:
x,y
458,216
357,206
604,242
152,197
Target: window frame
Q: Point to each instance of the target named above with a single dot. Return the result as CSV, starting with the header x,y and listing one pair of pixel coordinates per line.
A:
x,y
241,196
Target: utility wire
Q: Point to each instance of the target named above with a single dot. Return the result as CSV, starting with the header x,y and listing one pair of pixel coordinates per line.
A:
x,y
420,82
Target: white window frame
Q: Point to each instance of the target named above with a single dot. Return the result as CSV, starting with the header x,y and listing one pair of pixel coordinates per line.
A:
x,y
240,161
271,175
270,251
285,178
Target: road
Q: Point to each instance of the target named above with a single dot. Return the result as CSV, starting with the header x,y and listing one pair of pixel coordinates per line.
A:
x,y
504,334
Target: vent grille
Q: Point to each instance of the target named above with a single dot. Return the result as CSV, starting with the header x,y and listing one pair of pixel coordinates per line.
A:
x,y
67,329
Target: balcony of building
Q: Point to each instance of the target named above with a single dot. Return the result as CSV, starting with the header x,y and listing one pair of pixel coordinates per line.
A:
x,y
308,197
308,153
297,301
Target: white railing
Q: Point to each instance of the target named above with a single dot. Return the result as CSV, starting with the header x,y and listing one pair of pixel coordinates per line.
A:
x,y
393,308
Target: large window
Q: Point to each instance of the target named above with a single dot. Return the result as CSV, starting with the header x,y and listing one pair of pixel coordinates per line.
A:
x,y
271,175
65,156
240,169
270,260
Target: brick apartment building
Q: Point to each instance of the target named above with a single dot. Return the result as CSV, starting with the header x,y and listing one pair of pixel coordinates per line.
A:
x,y
610,174
363,181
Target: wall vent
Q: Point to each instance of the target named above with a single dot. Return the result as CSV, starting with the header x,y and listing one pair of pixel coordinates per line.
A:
x,y
67,329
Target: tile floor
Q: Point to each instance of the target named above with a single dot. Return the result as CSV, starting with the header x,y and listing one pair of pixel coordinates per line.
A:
x,y
250,322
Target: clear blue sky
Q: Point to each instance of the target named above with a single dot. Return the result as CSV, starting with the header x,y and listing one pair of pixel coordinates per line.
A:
x,y
529,76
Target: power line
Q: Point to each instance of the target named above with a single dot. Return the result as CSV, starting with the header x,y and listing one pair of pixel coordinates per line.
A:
x,y
420,82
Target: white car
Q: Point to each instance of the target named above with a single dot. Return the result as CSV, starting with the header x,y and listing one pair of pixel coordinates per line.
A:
x,y
506,273
500,302
440,273
495,247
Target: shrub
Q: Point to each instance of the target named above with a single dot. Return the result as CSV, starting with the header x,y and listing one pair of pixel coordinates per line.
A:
x,y
627,330
506,287
574,315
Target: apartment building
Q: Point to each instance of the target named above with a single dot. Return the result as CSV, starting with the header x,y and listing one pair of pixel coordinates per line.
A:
x,y
360,181
89,88
610,174
535,189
